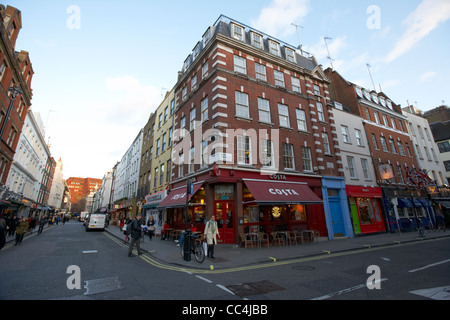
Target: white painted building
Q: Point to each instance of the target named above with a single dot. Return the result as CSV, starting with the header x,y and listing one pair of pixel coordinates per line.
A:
x,y
127,175
57,188
426,149
30,160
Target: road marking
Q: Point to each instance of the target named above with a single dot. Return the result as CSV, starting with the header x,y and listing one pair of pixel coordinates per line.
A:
x,y
224,288
385,259
429,266
167,266
204,279
274,260
340,292
441,293
90,251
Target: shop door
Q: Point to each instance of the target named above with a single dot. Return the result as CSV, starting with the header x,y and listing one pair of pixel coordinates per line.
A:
x,y
336,216
224,212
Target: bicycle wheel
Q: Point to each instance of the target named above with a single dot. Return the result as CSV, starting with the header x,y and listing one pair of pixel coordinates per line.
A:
x,y
182,252
199,253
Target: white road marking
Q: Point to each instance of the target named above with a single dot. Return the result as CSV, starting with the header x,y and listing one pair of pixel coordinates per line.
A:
x,y
429,266
224,288
340,292
90,251
204,279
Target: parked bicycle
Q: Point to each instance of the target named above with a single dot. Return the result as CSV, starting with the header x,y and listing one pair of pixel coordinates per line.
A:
x,y
196,248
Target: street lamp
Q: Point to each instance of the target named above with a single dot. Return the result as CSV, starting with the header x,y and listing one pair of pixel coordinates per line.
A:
x,y
15,91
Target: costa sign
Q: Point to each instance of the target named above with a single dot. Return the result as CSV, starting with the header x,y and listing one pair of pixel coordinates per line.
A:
x,y
286,192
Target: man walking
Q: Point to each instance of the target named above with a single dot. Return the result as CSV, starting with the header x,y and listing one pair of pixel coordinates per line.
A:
x,y
135,235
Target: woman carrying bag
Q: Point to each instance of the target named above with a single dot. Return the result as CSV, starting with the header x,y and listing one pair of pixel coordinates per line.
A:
x,y
211,234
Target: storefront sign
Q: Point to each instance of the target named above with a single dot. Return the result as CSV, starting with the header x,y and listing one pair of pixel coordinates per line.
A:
x,y
286,192
155,197
278,177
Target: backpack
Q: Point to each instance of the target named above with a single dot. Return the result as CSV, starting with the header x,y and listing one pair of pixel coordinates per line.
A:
x,y
129,228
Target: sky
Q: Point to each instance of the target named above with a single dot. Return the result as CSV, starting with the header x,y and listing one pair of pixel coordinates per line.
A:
x,y
103,66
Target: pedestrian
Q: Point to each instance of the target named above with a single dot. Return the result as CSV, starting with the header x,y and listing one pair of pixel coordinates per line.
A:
x,y
2,237
211,234
21,230
151,227
13,223
135,235
127,236
42,222
32,224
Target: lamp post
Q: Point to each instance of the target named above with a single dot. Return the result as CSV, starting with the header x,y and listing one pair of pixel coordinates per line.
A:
x,y
15,91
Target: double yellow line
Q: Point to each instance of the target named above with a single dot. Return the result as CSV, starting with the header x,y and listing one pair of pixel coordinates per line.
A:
x,y
274,263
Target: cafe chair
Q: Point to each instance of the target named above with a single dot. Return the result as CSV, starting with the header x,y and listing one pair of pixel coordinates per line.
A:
x,y
244,239
291,238
264,237
298,235
276,238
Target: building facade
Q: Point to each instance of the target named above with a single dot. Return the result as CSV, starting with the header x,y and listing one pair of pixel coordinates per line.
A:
x,y
396,167
127,179
16,71
254,138
363,192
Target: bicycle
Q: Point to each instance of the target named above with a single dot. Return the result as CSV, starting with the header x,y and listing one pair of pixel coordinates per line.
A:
x,y
196,248
421,229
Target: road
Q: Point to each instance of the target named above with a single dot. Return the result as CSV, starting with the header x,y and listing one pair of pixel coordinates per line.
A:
x,y
67,263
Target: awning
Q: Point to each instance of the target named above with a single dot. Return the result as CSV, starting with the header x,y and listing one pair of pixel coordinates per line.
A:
x,y
177,198
425,202
417,203
279,193
404,203
444,203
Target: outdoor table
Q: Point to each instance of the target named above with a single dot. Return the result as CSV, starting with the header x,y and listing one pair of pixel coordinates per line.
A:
x,y
254,237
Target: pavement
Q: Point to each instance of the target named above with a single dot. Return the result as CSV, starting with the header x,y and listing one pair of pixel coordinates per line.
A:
x,y
234,256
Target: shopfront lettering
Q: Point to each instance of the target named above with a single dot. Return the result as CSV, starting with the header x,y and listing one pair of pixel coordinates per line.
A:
x,y
286,192
179,196
278,177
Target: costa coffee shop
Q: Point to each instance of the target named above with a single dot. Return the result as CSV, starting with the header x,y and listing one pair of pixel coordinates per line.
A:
x,y
245,201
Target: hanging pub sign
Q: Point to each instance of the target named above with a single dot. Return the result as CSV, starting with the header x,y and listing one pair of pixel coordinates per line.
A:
x,y
386,171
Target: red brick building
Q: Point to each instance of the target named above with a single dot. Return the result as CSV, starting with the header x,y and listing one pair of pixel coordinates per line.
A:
x,y
15,71
81,187
391,147
254,133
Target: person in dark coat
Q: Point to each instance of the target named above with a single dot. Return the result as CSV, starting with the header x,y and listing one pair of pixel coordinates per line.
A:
x,y
135,235
2,237
13,223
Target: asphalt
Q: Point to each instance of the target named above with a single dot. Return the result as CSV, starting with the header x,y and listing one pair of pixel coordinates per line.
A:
x,y
228,256
235,256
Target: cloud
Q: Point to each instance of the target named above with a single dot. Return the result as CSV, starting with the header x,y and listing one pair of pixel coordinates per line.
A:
x,y
276,18
129,102
427,17
427,75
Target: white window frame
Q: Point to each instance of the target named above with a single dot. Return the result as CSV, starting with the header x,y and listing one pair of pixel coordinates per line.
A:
x,y
237,32
365,168
260,72
204,108
283,115
257,40
320,114
359,138
279,78
307,160
240,64
326,143
345,134
301,120
244,150
264,110
242,105
290,55
296,86
351,167
274,47
267,153
288,156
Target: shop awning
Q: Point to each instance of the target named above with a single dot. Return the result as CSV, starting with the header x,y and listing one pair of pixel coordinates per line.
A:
x,y
177,198
417,203
444,203
404,203
425,202
279,193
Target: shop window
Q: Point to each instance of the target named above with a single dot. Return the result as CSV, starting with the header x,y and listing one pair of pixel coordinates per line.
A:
x,y
224,192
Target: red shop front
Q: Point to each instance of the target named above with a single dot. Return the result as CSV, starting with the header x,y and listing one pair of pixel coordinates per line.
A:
x,y
365,208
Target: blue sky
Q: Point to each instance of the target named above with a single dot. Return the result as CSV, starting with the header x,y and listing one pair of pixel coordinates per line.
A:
x,y
101,67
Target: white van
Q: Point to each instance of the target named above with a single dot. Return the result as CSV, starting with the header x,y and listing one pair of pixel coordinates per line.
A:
x,y
96,221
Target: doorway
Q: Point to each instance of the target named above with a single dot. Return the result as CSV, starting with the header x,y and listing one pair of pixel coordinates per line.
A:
x,y
224,213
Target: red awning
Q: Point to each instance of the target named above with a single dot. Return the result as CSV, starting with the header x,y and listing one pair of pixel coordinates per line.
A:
x,y
271,192
177,198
